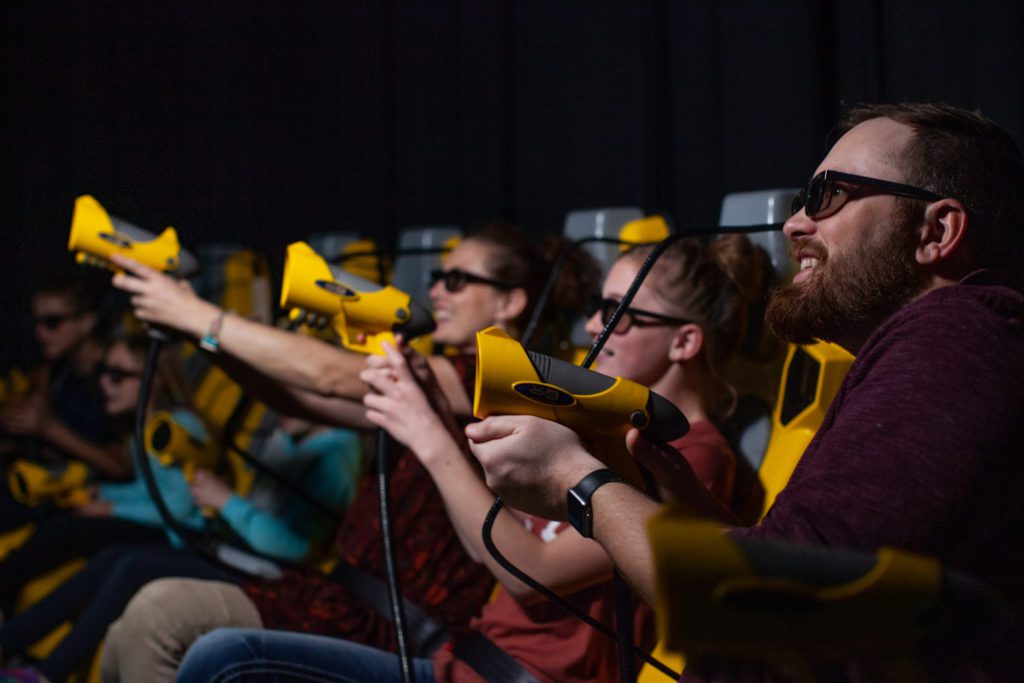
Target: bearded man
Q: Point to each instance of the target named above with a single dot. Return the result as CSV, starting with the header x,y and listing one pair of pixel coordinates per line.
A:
x,y
901,235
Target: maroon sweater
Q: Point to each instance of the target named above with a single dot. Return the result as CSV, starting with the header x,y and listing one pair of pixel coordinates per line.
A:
x,y
921,448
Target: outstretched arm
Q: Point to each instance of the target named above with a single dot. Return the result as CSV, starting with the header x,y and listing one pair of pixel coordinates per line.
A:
x,y
400,405
286,358
289,372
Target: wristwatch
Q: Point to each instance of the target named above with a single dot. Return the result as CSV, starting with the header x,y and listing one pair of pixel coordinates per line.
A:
x,y
211,340
581,513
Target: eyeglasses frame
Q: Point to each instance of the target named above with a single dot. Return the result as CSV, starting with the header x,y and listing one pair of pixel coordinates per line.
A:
x,y
606,307
829,177
467,278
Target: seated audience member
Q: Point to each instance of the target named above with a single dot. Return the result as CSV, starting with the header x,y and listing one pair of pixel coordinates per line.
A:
x,y
490,278
683,325
62,415
120,512
323,462
900,235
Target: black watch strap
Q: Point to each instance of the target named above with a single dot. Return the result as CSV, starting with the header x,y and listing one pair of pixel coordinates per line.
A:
x,y
581,513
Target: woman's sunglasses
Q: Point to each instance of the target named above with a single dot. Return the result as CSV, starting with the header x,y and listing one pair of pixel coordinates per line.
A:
x,y
824,195
631,316
115,374
455,280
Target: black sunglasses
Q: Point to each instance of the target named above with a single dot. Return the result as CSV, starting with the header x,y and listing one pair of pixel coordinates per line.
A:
x,y
455,280
822,196
53,320
116,374
631,316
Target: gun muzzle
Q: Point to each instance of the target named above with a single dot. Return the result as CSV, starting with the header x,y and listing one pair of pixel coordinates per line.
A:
x,y
171,443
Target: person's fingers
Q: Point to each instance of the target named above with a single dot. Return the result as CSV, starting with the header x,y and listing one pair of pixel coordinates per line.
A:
x,y
132,266
489,429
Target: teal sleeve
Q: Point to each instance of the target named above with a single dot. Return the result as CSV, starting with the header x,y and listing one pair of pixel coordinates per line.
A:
x,y
131,501
297,527
263,531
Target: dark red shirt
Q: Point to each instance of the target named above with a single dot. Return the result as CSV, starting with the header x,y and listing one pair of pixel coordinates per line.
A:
x,y
434,570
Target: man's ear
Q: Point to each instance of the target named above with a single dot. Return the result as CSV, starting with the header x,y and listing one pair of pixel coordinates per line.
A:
x,y
512,305
943,233
686,342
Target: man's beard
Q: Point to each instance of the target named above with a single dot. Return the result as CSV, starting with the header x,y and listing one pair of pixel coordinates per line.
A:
x,y
850,294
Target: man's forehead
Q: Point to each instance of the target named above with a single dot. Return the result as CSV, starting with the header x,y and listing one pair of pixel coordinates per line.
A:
x,y
871,148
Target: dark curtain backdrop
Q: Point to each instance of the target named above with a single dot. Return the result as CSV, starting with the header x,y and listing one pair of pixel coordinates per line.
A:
x,y
264,122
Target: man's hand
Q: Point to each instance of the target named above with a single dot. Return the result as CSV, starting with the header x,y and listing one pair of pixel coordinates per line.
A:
x,y
531,462
160,300
209,491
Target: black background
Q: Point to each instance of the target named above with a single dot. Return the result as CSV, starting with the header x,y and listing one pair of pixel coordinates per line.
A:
x,y
263,122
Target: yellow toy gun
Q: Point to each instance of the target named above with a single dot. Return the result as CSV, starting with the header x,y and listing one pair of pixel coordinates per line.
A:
x,y
63,485
734,604
363,313
96,236
513,381
13,385
172,444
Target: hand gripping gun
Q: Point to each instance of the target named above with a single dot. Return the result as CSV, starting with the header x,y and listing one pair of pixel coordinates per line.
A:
x,y
363,313
513,381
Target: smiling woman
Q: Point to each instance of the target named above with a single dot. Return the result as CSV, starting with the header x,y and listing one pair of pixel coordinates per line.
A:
x,y
493,278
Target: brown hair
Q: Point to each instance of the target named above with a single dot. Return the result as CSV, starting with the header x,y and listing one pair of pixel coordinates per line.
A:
x,y
963,155
520,260
713,284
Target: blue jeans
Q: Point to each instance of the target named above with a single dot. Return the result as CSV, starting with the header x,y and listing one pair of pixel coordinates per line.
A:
x,y
238,654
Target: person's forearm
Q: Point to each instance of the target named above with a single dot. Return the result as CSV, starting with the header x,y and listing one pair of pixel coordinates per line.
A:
x,y
111,461
293,401
620,526
468,500
285,357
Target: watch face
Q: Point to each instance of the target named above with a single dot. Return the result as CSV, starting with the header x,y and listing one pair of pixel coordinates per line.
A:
x,y
579,513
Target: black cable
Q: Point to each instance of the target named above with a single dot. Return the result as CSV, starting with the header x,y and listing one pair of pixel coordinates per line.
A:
x,y
390,564
549,284
559,263
141,455
554,597
624,627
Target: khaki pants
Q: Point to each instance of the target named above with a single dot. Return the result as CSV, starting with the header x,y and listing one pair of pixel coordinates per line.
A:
x,y
163,619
